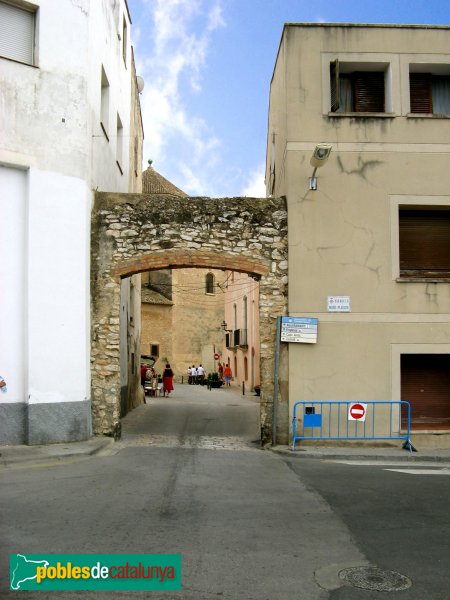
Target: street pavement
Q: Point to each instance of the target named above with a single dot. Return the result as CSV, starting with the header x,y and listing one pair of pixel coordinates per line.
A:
x,y
189,477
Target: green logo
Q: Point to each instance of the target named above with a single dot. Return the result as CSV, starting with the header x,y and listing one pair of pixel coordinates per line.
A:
x,y
95,571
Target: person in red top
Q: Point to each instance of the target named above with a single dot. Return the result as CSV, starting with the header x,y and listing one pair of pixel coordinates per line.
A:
x,y
227,374
144,368
167,380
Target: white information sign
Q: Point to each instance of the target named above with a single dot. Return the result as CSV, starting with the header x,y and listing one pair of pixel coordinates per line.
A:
x,y
299,329
339,304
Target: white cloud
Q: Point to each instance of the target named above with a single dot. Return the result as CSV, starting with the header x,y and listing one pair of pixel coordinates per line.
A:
x,y
171,54
255,186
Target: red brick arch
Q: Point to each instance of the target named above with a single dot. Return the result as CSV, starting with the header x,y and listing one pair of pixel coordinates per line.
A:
x,y
178,259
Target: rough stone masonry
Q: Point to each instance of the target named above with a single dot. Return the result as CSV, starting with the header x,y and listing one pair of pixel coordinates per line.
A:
x,y
132,233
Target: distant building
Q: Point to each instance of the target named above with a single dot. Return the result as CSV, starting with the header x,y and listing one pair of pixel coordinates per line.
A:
x,y
182,309
71,124
369,238
242,329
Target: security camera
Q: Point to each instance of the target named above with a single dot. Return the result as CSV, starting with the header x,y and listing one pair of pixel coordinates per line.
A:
x,y
320,155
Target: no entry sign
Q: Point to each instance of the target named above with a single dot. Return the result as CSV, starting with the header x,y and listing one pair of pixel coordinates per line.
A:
x,y
357,412
216,356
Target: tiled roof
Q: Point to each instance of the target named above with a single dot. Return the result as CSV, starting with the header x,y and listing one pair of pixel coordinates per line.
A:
x,y
154,183
149,296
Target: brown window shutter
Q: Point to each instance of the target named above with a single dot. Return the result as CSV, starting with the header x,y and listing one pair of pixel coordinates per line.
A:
x,y
369,92
424,243
334,84
420,93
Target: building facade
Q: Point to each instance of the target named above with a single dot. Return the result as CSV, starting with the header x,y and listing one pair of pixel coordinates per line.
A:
x,y
369,235
70,123
242,329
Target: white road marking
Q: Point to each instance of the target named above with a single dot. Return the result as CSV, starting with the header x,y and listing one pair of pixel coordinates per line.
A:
x,y
413,471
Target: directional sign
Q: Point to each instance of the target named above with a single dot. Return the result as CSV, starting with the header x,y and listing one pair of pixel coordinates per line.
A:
x,y
299,329
357,412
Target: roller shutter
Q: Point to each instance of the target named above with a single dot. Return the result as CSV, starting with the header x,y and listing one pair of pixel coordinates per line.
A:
x,y
424,243
17,33
425,383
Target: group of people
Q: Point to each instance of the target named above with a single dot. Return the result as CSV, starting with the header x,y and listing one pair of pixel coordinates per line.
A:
x,y
225,373
196,375
149,374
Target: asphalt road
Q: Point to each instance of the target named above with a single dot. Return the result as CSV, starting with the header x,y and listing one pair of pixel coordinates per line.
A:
x,y
188,478
397,514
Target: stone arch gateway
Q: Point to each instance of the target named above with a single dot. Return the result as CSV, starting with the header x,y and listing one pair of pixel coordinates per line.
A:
x,y
132,233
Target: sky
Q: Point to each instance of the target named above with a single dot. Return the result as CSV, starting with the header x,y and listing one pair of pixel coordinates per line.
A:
x,y
207,66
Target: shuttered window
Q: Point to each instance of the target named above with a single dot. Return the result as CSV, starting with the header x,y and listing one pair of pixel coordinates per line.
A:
x,y
420,92
360,91
369,92
17,27
429,94
334,85
424,243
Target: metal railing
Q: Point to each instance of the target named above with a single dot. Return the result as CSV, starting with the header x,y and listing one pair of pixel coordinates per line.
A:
x,y
364,420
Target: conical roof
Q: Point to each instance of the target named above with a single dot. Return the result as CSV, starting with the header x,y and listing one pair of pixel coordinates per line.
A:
x,y
154,183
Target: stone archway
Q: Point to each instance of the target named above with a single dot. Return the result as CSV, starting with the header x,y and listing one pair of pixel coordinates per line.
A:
x,y
132,233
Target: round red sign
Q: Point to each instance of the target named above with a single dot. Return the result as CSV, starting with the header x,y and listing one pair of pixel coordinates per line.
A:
x,y
357,411
216,356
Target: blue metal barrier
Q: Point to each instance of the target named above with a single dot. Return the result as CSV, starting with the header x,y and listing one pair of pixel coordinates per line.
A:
x,y
329,420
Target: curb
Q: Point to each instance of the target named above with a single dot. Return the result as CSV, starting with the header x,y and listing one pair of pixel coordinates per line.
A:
x,y
401,456
11,455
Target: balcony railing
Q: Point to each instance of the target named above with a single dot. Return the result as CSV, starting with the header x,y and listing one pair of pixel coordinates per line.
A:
x,y
236,339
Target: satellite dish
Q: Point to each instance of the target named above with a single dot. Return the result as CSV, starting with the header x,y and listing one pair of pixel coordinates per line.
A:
x,y
140,83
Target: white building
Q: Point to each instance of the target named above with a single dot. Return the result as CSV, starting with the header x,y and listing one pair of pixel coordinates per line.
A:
x,y
68,126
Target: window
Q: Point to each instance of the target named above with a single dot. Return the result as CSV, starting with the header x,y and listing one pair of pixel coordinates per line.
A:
x,y
17,27
424,242
104,108
124,40
119,144
154,350
429,94
357,87
209,283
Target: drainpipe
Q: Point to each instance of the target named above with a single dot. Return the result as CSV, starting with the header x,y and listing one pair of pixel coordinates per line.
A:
x,y
275,383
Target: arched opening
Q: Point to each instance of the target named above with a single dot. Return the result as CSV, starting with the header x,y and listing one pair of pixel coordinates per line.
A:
x,y
133,234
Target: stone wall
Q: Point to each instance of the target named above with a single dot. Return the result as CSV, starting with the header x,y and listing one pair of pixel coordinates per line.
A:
x,y
132,233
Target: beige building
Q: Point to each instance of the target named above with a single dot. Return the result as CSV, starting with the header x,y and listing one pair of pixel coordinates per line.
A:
x,y
369,235
242,329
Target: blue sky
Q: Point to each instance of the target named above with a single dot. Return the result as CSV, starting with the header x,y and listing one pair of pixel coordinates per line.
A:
x,y
207,66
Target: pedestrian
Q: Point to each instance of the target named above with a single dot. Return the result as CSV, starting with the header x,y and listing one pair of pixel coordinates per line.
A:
x,y
189,375
144,368
194,375
167,380
220,369
200,374
227,375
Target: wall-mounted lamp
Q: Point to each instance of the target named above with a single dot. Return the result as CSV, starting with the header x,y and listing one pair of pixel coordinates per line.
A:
x,y
140,84
318,159
224,327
